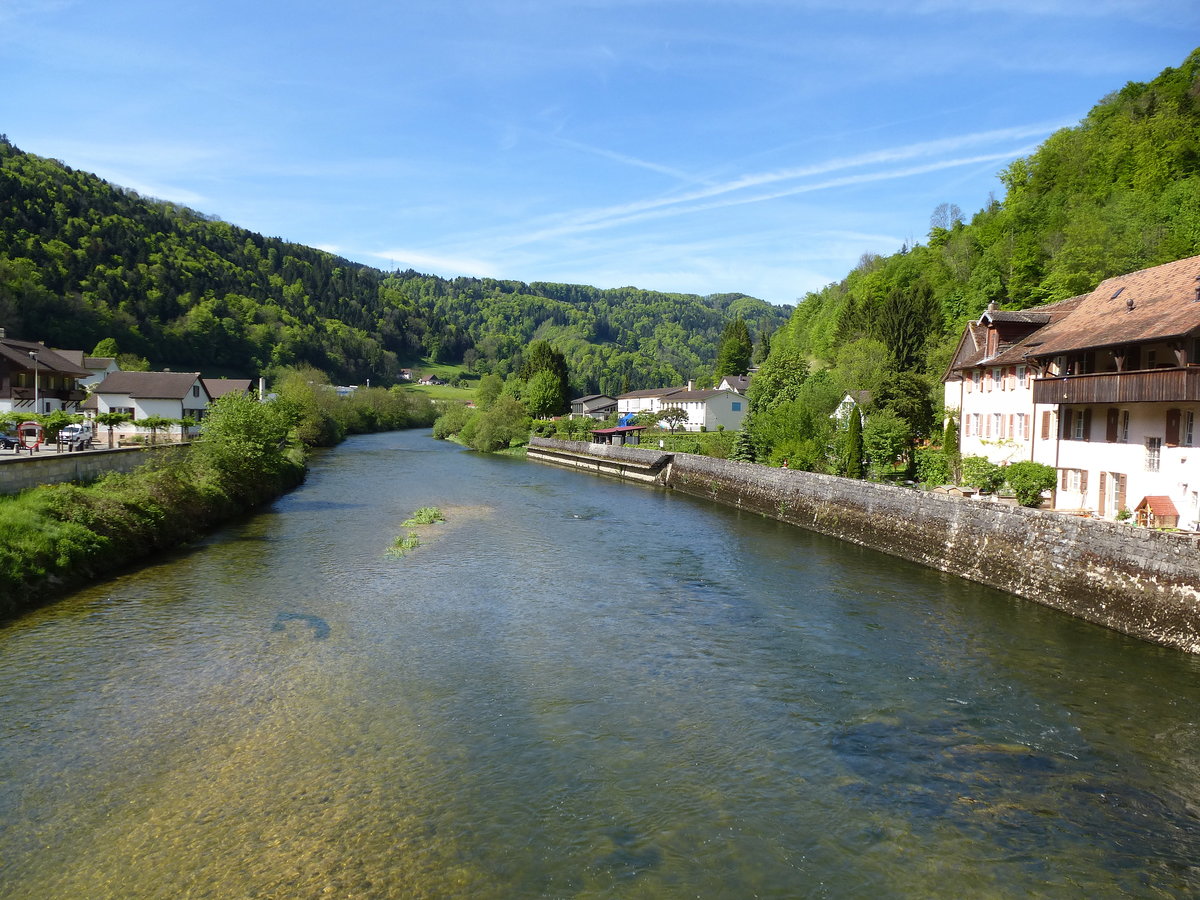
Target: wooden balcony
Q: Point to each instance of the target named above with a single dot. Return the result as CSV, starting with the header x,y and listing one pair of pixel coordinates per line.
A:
x,y
1149,386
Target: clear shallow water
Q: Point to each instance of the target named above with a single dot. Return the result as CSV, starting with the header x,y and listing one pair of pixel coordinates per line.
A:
x,y
577,688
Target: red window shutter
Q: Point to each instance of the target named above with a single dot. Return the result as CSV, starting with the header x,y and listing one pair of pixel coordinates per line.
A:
x,y
1110,432
1046,425
1172,438
1067,415
1087,424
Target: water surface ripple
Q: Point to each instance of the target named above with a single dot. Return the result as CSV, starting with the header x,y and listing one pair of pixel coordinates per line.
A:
x,y
576,688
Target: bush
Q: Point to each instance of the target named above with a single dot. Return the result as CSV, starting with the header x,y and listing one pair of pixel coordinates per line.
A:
x,y
980,472
451,422
1028,479
933,468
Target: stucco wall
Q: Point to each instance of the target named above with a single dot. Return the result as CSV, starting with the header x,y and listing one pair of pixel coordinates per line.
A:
x,y
1140,582
19,473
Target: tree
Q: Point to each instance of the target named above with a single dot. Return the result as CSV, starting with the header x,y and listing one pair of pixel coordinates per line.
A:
x,y
246,440
853,460
736,349
107,348
543,395
673,416
495,428
950,446
489,389
743,448
553,389
885,438
154,423
111,420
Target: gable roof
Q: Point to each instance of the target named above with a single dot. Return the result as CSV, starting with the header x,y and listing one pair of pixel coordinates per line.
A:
x,y
149,385
17,355
737,383
651,392
219,387
1015,346
1152,304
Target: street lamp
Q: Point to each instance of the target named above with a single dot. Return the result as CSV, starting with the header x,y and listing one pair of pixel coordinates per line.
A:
x,y
33,355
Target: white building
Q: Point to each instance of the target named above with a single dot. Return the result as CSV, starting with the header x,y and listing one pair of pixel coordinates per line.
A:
x,y
173,395
36,379
709,410
1104,387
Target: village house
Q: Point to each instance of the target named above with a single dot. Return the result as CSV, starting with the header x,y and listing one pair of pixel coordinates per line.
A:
x,y
710,409
647,401
98,367
172,395
1104,387
36,379
594,406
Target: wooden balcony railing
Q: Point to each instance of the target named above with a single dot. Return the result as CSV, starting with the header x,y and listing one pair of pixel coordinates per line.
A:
x,y
1150,386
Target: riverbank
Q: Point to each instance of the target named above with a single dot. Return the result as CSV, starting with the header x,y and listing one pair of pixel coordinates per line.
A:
x,y
1134,580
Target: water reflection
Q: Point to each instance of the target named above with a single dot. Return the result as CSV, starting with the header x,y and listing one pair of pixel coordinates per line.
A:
x,y
575,688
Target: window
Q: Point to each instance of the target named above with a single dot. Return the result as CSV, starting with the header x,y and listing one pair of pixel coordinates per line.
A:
x,y
737,405
1074,479
195,390
976,378
997,425
1022,426
1153,453
976,418
1078,426
1123,432
1189,428
1022,377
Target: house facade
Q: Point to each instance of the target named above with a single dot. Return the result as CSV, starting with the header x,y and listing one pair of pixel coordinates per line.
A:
x,y
594,406
36,379
709,410
1104,387
173,395
648,401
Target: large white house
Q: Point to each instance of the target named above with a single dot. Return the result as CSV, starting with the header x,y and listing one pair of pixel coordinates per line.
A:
x,y
1104,387
707,409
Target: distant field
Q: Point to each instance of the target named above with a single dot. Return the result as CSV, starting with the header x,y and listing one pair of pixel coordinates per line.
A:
x,y
424,367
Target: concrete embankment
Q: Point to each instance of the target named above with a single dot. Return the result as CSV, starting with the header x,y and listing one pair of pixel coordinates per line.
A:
x,y
19,472
1137,581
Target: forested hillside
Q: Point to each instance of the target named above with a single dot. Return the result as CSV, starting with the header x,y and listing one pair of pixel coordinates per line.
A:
x,y
81,260
1117,193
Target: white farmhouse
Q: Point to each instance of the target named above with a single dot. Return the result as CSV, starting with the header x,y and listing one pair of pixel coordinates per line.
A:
x,y
173,395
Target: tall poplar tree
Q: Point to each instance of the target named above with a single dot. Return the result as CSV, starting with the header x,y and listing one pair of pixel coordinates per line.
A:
x,y
733,356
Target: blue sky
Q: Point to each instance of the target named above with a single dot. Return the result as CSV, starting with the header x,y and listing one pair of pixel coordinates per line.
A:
x,y
731,145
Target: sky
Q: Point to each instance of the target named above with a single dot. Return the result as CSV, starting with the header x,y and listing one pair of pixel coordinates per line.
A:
x,y
706,146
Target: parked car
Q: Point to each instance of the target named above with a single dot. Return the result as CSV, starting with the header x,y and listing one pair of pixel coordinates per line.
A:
x,y
8,442
78,436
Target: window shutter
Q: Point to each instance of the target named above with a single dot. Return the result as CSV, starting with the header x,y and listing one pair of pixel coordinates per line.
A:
x,y
1087,424
1121,484
1046,425
1103,492
1083,481
1011,434
1110,433
1067,415
1063,478
1172,439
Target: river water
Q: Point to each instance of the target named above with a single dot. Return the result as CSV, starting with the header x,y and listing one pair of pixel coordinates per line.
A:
x,y
576,688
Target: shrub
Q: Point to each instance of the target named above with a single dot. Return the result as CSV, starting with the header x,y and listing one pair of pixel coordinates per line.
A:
x,y
980,472
1028,479
933,468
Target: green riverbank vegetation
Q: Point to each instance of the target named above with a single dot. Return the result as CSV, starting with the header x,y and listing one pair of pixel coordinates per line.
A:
x,y
58,535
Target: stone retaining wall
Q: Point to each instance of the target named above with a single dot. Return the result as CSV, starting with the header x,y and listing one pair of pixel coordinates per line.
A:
x,y
1140,582
23,471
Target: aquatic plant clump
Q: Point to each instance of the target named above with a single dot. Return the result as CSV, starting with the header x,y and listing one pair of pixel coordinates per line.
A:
x,y
404,544
426,515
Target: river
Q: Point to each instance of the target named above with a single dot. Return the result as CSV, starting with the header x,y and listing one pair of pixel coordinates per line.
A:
x,y
576,688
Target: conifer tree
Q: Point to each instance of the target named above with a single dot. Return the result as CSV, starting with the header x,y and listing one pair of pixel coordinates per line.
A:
x,y
854,445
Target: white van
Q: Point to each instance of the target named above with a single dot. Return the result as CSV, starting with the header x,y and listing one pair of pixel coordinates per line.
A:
x,y
78,436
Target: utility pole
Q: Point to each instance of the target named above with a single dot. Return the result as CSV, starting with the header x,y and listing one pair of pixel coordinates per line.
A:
x,y
37,406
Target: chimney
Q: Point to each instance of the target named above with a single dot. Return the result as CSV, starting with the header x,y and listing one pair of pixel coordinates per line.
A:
x,y
262,388
3,333
691,385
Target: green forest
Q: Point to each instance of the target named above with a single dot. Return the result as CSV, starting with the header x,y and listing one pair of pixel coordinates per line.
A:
x,y
1117,193
82,260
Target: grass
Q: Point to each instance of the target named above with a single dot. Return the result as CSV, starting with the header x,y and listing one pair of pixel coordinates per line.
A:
x,y
404,544
426,515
